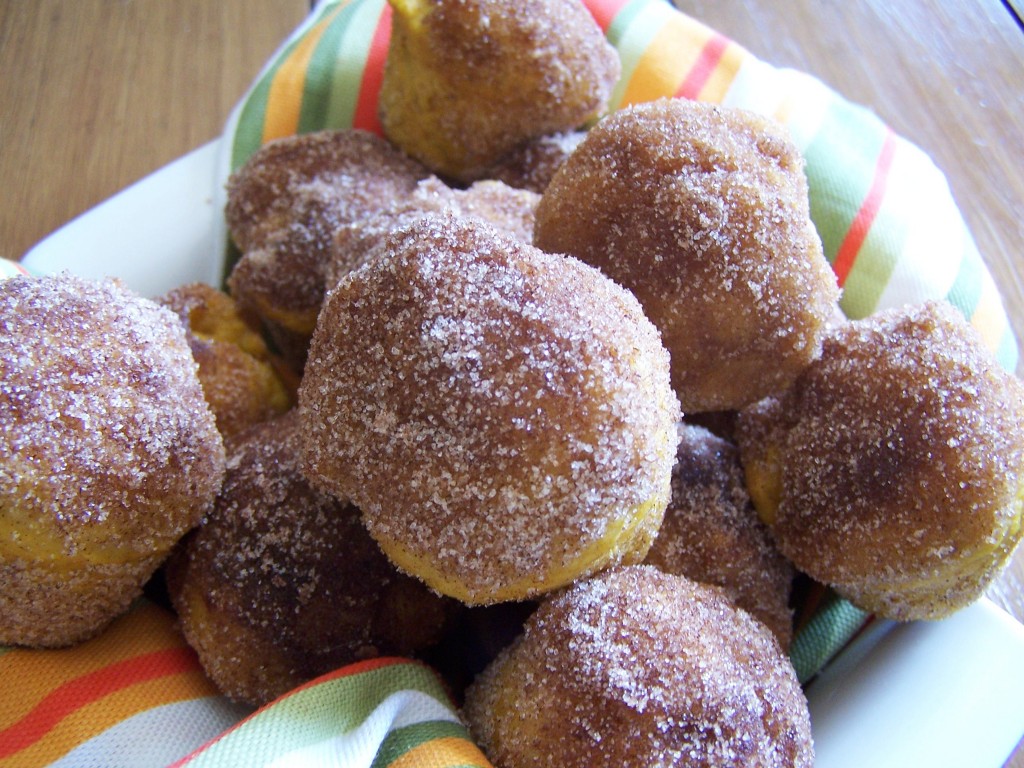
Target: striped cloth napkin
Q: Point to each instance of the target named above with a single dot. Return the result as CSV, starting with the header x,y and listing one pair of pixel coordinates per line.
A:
x,y
136,696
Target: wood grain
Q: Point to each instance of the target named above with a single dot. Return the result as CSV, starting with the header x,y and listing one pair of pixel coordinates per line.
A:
x,y
98,94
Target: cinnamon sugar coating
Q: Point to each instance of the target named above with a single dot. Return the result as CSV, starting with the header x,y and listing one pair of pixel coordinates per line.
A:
x,y
894,468
108,453
640,668
467,82
501,416
284,206
711,533
281,583
702,212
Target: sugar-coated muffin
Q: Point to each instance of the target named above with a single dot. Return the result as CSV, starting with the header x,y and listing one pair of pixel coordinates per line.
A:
x,y
532,165
502,417
109,453
467,82
712,534
242,381
638,668
702,212
509,209
281,583
893,470
283,207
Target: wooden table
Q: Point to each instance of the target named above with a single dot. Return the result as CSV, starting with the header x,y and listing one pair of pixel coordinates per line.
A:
x,y
97,94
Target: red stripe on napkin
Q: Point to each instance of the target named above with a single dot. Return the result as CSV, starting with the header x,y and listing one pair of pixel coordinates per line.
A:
x,y
861,224
698,76
605,11
366,105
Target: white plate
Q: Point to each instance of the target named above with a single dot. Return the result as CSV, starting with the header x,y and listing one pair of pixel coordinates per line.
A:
x,y
935,694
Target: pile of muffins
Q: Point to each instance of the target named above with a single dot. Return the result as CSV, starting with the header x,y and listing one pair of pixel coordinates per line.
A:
x,y
558,401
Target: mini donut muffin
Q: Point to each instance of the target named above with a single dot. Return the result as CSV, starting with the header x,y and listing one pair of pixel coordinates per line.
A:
x,y
282,210
281,583
893,469
533,164
466,82
510,210
702,212
502,417
109,453
638,668
712,534
241,382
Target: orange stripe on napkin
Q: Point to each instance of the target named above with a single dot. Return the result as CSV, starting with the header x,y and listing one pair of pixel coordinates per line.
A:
x,y
987,318
96,718
86,689
865,217
284,101
671,54
685,59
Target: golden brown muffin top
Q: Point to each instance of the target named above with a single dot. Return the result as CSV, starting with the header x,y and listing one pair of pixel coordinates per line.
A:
x,y
509,209
466,82
901,452
286,202
702,212
296,565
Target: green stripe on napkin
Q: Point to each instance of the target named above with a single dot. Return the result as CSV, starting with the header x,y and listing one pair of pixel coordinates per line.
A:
x,y
827,632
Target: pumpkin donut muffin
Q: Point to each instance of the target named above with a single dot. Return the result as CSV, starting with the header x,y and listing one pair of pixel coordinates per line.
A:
x,y
283,208
508,209
637,668
532,165
467,82
894,468
502,417
242,381
281,583
702,212
109,453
